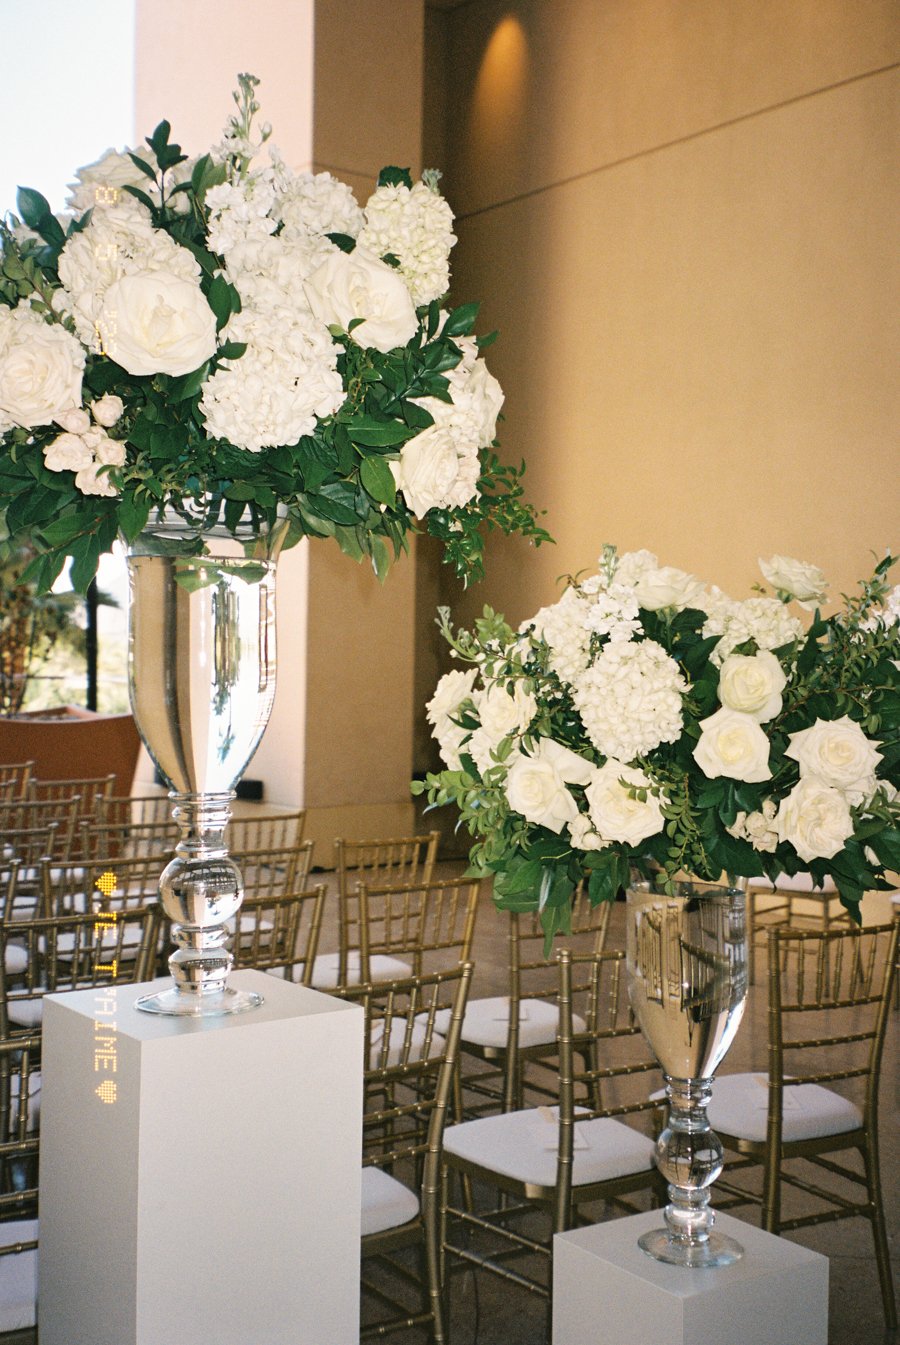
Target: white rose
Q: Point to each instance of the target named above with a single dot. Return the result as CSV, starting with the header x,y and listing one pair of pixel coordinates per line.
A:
x,y
450,692
40,368
107,410
346,287
752,684
433,474
616,815
503,711
536,784
155,323
109,452
732,744
67,453
487,396
666,587
806,583
75,420
90,481
839,754
814,819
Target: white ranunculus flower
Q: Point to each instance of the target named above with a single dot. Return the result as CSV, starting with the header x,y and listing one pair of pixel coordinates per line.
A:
x,y
839,754
346,287
91,481
75,420
155,323
536,784
433,474
41,366
752,684
815,819
666,587
67,453
107,410
800,580
732,745
616,815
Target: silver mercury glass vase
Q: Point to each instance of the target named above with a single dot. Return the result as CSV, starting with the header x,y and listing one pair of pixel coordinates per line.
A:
x,y
687,981
201,675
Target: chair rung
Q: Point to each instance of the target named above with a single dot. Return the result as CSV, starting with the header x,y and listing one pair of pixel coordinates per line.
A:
x,y
513,1276
498,1230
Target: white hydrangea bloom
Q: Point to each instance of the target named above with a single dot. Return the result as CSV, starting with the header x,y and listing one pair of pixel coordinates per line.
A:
x,y
564,628
316,204
415,226
765,620
633,565
284,380
115,244
630,699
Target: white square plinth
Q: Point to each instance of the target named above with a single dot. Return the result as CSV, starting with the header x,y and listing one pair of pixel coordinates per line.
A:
x,y
200,1178
606,1288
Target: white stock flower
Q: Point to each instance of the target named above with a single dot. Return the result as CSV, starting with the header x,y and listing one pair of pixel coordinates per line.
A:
x,y
433,473
536,785
732,745
614,812
41,367
359,285
798,579
614,614
91,481
839,754
815,819
155,323
240,210
666,586
630,699
67,453
752,684
758,828
107,410
413,224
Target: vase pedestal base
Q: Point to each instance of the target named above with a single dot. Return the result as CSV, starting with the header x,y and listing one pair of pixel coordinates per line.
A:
x,y
200,1177
717,1250
174,1004
775,1294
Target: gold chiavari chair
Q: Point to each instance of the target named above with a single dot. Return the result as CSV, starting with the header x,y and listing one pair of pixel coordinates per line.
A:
x,y
20,1096
8,790
279,933
507,1032
73,952
20,858
265,832
126,810
792,902
116,882
128,840
89,792
397,860
25,815
17,773
561,1159
829,998
409,1067
266,872
422,927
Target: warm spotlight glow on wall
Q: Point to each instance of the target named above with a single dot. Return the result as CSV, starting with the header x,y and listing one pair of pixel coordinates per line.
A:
x,y
501,86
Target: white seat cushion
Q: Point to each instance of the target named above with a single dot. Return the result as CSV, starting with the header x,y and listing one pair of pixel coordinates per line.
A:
x,y
326,967
26,1012
18,1276
386,1203
15,959
796,882
487,1022
740,1104
522,1145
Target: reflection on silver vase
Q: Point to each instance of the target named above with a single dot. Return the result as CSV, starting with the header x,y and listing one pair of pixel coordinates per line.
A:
x,y
687,979
201,671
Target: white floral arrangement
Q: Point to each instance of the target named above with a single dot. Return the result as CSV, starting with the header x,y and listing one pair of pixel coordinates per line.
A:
x,y
223,334
646,720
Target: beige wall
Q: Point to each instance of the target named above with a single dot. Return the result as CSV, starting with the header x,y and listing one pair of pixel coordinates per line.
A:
x,y
682,218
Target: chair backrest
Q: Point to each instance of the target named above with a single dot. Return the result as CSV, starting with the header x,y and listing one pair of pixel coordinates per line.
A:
x,y
279,932
604,1067
429,924
17,773
268,871
73,952
409,1065
130,840
265,832
829,997
28,844
30,814
20,1097
112,883
125,810
89,790
393,860
534,975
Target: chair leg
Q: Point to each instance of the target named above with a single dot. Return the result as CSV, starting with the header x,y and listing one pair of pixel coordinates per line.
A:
x,y
771,1210
432,1209
879,1232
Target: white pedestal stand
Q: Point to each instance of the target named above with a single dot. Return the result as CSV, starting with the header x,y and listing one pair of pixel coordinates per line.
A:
x,y
200,1178
606,1288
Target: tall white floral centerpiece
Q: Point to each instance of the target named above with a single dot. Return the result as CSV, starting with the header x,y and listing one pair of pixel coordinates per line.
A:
x,y
212,358
645,723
